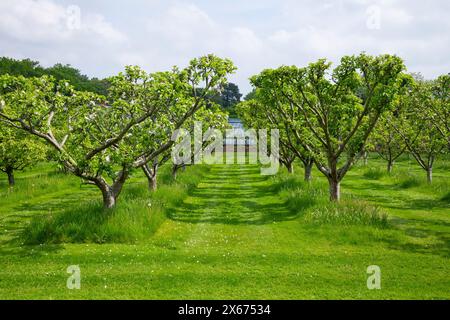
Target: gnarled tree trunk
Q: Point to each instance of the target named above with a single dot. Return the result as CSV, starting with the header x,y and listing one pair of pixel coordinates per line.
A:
x,y
335,189
11,180
290,167
430,174
365,157
153,183
308,169
175,171
109,198
390,165
152,175
111,193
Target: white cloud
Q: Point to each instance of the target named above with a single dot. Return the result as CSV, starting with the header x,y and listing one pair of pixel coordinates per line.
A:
x,y
159,34
27,20
46,21
96,24
244,41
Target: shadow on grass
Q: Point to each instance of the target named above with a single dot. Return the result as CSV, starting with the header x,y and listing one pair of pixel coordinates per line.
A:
x,y
241,197
27,251
12,242
421,230
386,195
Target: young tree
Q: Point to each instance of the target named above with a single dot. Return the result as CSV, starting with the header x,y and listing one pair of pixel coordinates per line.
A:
x,y
212,117
17,152
192,101
338,109
417,125
263,113
440,109
387,142
78,125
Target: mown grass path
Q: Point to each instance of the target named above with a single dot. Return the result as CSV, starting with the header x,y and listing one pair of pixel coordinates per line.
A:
x,y
232,195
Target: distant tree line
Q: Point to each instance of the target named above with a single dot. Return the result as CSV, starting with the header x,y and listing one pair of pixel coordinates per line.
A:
x,y
227,97
29,68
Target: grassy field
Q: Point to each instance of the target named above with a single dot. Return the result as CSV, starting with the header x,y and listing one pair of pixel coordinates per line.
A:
x,y
226,232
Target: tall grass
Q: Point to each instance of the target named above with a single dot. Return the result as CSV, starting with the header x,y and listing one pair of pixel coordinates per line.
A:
x,y
138,214
446,197
374,173
283,182
409,181
348,212
311,202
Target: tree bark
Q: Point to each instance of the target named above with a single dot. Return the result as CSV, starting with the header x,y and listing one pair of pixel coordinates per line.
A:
x,y
335,189
111,193
151,174
174,171
290,167
109,199
390,165
11,180
365,157
153,183
430,175
308,170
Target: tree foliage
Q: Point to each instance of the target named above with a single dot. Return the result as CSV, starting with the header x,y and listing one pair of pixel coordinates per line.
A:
x,y
332,113
420,123
102,141
18,151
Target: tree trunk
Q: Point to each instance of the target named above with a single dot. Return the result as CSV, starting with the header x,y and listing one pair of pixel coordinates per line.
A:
x,y
153,183
11,180
290,167
430,174
174,171
111,193
308,170
109,198
335,189
365,157
390,165
151,174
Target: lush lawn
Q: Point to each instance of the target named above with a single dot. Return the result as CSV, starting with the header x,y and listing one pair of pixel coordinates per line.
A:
x,y
238,236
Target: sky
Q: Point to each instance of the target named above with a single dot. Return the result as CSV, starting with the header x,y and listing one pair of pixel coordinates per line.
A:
x,y
101,37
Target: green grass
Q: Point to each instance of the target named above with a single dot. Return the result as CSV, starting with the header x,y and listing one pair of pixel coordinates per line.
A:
x,y
374,173
237,235
137,216
348,213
